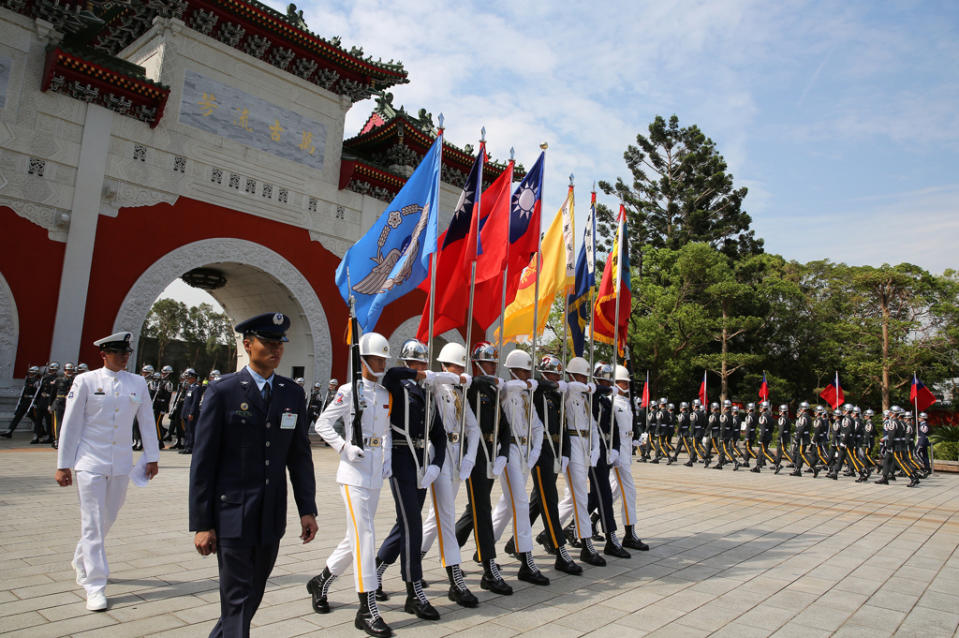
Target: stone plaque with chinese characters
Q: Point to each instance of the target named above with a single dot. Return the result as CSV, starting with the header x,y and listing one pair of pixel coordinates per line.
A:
x,y
5,65
224,110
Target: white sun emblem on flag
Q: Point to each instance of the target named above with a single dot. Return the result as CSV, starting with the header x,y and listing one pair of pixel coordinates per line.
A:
x,y
525,200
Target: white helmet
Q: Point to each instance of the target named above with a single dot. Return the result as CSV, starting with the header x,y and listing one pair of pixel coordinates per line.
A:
x,y
373,344
299,381
519,359
578,365
622,374
453,353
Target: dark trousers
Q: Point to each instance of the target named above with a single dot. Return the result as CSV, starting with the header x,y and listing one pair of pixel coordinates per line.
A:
x,y
58,409
711,444
846,455
19,414
922,452
543,498
188,433
781,452
243,574
477,519
764,454
158,421
405,540
136,431
601,494
683,442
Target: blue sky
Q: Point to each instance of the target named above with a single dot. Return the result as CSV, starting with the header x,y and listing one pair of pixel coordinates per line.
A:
x,y
842,118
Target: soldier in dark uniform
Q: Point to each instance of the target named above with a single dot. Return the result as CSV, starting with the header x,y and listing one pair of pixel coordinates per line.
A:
x,y
26,404
845,439
869,439
725,426
491,458
910,446
60,391
766,426
658,429
147,373
886,447
683,430
161,402
176,412
712,432
922,445
749,431
668,430
414,469
191,404
251,429
784,426
315,405
43,433
801,441
820,438
330,393
698,422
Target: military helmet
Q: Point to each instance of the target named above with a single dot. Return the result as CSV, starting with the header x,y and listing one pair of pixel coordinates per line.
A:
x,y
167,369
804,405
662,401
696,403
895,409
869,412
856,410
885,413
923,415
300,381
622,374
907,415
414,350
147,368
683,405
714,406
453,354
836,412
550,363
373,344
519,360
190,372
69,367
672,406
847,407
33,370
214,374
318,385
53,366
727,403
783,407
82,367
485,351
764,405
578,365
750,406
604,371
735,409
155,375
820,409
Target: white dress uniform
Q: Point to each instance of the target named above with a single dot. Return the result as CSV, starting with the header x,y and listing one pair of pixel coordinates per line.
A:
x,y
450,404
621,476
96,441
514,503
583,454
360,481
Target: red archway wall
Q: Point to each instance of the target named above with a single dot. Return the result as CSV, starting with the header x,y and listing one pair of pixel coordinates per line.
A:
x,y
31,263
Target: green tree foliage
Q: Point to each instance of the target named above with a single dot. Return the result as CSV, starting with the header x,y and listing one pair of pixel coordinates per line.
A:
x,y
164,322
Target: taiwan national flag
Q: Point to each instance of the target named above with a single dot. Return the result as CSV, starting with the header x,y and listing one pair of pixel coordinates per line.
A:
x,y
645,402
833,393
920,395
702,392
764,389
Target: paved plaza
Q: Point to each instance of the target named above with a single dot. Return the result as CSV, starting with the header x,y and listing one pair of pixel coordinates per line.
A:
x,y
733,554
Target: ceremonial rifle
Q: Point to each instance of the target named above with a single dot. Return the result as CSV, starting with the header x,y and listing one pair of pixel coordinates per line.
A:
x,y
356,370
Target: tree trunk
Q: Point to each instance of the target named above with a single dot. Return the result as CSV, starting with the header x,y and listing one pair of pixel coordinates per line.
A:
x,y
884,384
723,374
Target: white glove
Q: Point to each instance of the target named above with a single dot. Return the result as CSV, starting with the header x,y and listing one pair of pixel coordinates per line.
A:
x,y
515,385
705,441
613,456
615,391
466,468
387,470
441,378
351,452
533,384
591,387
594,458
643,438
498,465
561,387
465,380
563,464
533,457
432,471
742,428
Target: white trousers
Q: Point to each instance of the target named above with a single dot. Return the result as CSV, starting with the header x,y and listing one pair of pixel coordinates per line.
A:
x,y
622,485
441,521
514,503
100,500
358,547
575,501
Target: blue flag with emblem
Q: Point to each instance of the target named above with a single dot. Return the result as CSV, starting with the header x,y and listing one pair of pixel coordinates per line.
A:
x,y
392,258
577,304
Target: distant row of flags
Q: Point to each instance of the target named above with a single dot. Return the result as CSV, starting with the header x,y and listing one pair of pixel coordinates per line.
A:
x,y
492,254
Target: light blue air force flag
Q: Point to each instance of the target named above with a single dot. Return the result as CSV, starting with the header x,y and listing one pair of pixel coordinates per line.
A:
x,y
392,258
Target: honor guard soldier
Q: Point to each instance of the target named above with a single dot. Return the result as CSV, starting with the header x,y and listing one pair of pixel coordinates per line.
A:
x,y
766,426
910,446
892,441
748,430
869,439
683,429
191,405
784,425
251,429
419,451
315,405
554,459
697,423
621,477
147,373
600,493
584,454
659,425
60,391
95,442
732,438
526,440
712,433
330,393
176,412
360,475
820,437
801,441
492,454
728,429
667,430
26,403
462,434
48,392
844,439
922,445
161,402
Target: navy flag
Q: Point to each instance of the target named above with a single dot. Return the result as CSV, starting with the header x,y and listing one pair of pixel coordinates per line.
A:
x,y
578,302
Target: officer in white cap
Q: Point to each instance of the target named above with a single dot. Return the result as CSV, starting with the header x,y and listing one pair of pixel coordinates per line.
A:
x,y
96,443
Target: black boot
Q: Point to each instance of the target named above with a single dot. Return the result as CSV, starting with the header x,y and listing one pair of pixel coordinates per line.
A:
x,y
795,473
564,563
380,570
492,581
416,603
529,572
368,617
688,463
7,434
543,540
594,523
882,481
459,593
613,548
510,548
632,541
833,475
777,467
756,470
570,534
589,555
914,482
318,588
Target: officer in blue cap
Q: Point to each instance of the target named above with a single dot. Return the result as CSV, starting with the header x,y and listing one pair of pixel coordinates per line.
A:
x,y
252,427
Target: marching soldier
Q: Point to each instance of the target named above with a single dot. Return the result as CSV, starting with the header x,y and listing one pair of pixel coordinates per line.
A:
x,y
669,430
26,403
784,426
766,427
845,439
330,393
725,425
621,477
922,445
60,391
820,437
749,430
712,432
414,467
176,412
494,448
161,402
315,404
191,405
910,443
660,423
360,475
801,440
683,430
869,439
44,404
698,422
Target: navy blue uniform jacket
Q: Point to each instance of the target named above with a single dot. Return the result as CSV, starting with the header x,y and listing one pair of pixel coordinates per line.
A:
x,y
240,457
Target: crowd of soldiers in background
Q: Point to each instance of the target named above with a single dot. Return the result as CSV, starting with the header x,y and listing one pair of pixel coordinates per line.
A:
x,y
820,439
176,403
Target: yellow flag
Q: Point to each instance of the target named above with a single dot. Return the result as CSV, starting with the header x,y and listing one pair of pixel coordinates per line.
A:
x,y
558,273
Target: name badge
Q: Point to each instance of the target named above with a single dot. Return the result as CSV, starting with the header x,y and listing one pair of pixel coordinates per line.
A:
x,y
288,421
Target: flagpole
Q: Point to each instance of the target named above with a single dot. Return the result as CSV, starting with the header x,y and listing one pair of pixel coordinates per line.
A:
x,y
617,286
502,320
539,266
469,312
592,319
429,340
915,384
562,406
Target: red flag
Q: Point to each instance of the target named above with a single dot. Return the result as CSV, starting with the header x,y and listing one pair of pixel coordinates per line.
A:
x,y
494,236
645,401
764,389
702,391
833,394
614,286
920,395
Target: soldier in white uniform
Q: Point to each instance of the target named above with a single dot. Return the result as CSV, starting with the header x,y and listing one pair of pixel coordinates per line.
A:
x,y
96,441
526,440
360,476
460,425
621,476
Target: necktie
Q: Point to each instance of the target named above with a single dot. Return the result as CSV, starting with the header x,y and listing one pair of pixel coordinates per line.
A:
x,y
266,393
